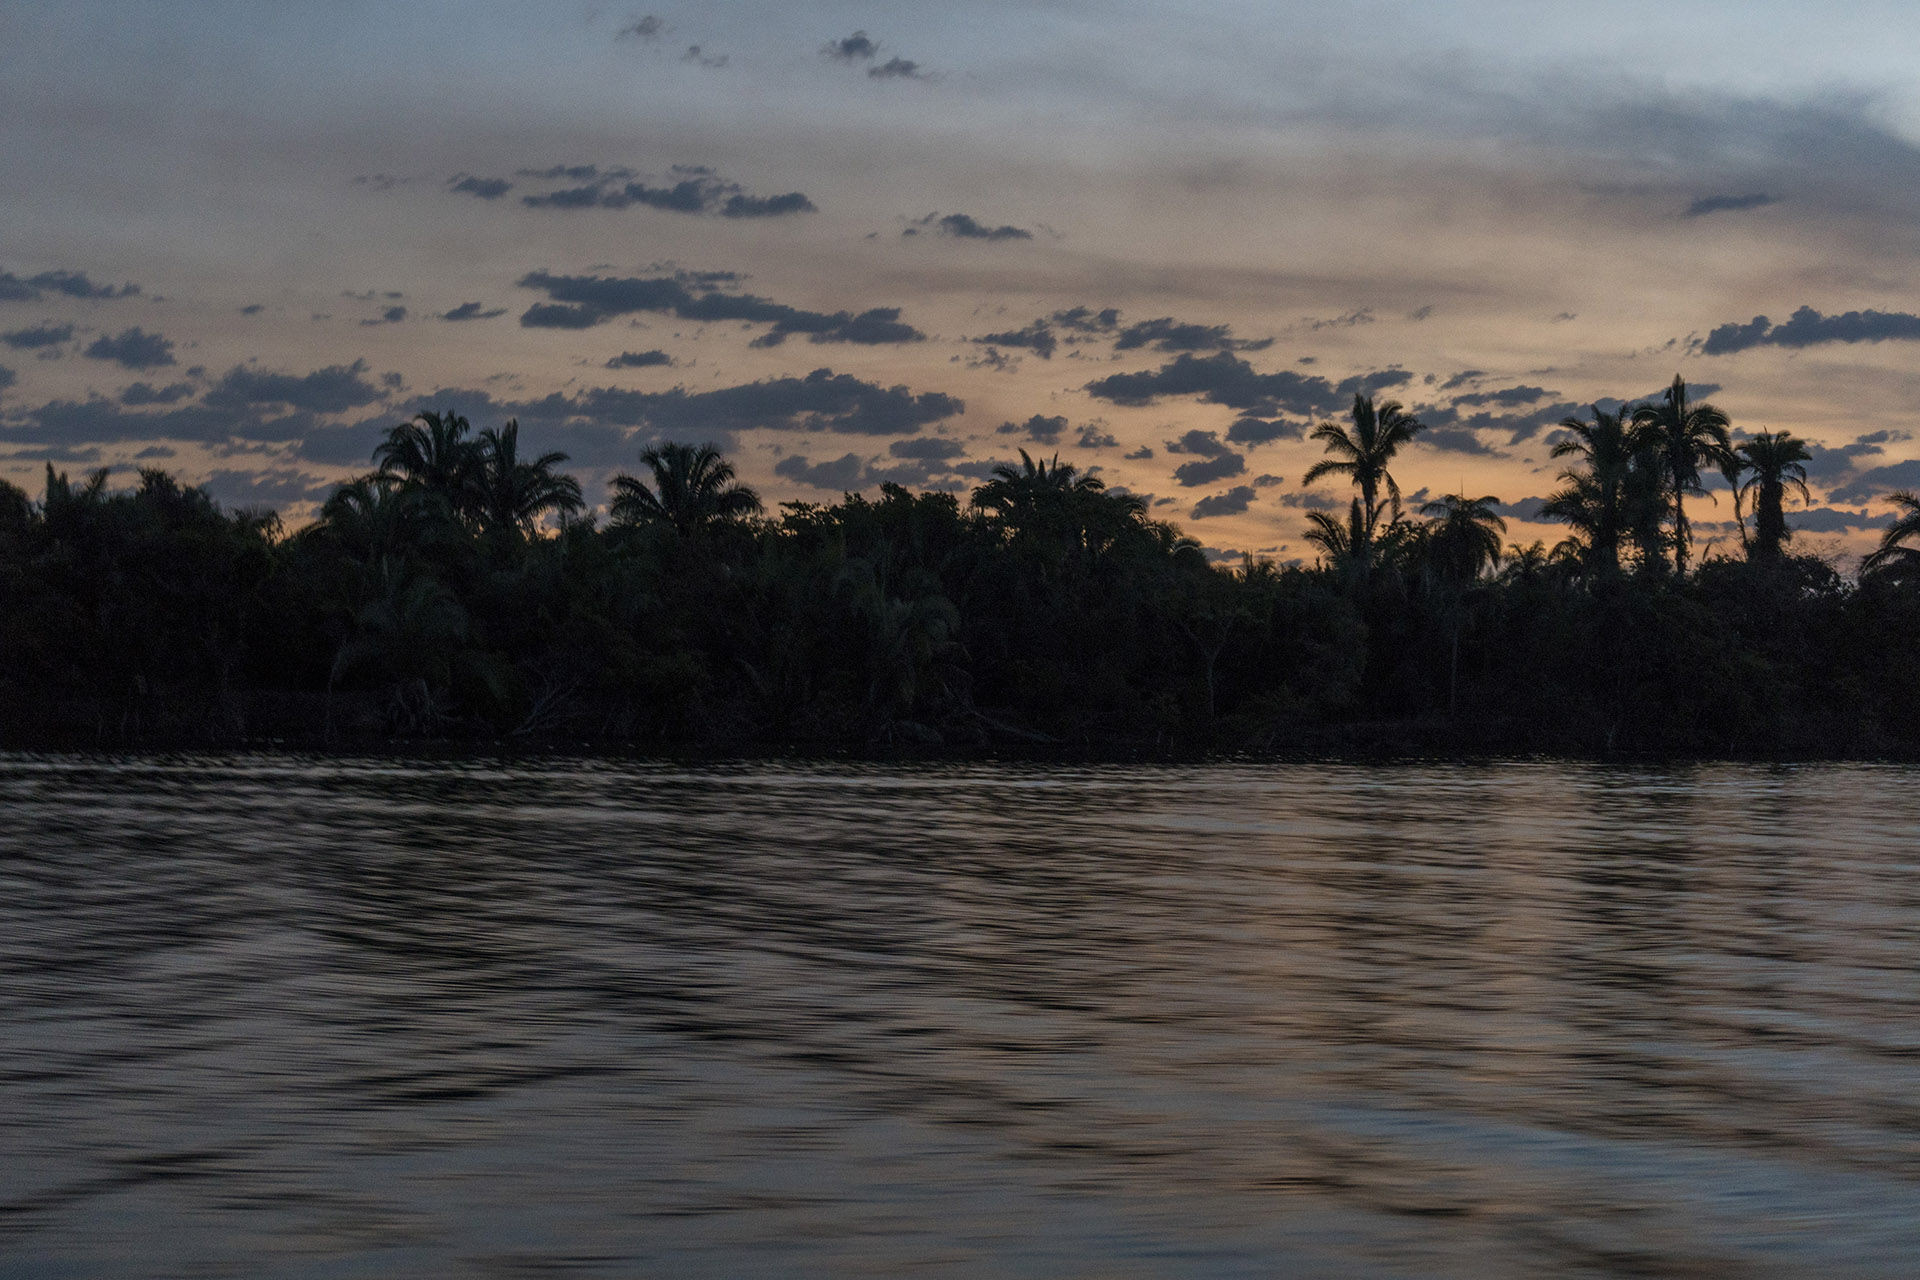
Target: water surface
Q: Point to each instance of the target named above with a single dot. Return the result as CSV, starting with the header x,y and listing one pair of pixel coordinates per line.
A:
x,y
273,1015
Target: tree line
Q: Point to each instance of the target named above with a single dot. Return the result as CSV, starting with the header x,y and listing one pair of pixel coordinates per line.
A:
x,y
459,590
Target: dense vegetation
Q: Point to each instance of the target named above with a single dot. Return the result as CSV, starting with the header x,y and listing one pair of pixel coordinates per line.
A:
x,y
456,592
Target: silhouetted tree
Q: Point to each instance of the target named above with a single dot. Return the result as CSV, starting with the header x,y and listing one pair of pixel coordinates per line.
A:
x,y
1765,466
510,496
1362,453
1893,557
693,490
1689,436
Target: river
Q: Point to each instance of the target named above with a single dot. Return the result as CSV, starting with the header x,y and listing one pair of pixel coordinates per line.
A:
x,y
275,1015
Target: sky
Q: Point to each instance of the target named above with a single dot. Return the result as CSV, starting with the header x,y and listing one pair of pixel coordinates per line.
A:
x,y
858,243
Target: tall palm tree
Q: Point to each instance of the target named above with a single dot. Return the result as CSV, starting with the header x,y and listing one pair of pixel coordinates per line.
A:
x,y
1617,494
693,490
1769,463
1893,555
432,452
1690,436
1362,455
510,495
1464,537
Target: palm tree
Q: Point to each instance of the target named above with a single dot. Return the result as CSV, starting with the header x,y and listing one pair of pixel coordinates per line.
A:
x,y
1769,462
1617,495
693,490
1464,537
432,452
1894,557
510,496
1690,436
1362,454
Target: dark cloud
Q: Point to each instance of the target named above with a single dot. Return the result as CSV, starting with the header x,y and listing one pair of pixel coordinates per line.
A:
x,y
856,47
711,61
53,453
1526,509
1828,464
1170,335
1205,443
1253,431
1224,379
1267,482
1835,520
1206,471
67,284
1092,437
821,401
144,393
1806,327
897,69
392,315
994,359
132,349
964,226
1352,318
579,302
485,188
253,308
275,488
639,360
1462,378
1705,205
333,389
1039,427
647,29
1507,397
1371,384
1233,502
1310,500
693,189
7,377
1037,337
846,474
927,449
472,311
1138,455
37,336
1875,484
570,173
1456,440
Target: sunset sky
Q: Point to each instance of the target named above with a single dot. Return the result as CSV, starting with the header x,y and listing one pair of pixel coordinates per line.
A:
x,y
853,242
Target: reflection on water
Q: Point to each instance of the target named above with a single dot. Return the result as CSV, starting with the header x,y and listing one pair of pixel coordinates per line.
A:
x,y
280,1016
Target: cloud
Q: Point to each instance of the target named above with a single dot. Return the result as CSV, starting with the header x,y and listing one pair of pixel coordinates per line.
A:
x,y
821,401
36,337
1039,428
68,284
485,188
274,488
693,189
7,377
1170,335
856,47
1705,205
897,69
647,29
1527,509
639,360
1268,482
1192,475
1875,484
145,393
1233,502
1205,443
845,474
1092,437
1835,520
1224,379
333,389
711,61
580,302
133,349
392,315
962,226
1371,384
1806,327
1252,431
1348,321
927,449
1037,337
1310,500
472,311
1138,455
